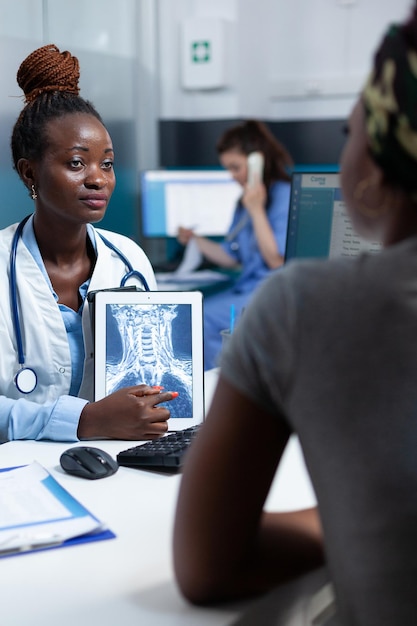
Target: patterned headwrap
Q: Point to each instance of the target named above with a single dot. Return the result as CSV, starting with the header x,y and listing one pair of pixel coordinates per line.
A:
x,y
390,99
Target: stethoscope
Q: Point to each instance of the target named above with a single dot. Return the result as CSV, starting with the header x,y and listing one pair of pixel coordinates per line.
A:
x,y
236,230
26,378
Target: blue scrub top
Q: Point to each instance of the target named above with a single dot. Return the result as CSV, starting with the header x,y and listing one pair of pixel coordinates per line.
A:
x,y
243,246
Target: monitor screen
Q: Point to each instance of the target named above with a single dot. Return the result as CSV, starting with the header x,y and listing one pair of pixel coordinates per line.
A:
x,y
319,225
203,200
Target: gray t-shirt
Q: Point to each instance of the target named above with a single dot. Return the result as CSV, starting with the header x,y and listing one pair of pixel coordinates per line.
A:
x,y
331,347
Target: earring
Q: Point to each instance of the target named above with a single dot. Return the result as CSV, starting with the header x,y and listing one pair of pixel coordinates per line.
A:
x,y
364,208
34,195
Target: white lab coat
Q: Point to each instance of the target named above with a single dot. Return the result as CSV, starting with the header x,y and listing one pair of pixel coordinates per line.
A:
x,y
44,336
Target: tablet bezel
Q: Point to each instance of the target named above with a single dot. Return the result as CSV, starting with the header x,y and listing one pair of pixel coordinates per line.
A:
x,y
193,298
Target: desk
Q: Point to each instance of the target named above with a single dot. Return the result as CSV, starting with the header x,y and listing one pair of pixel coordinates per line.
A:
x,y
207,281
128,580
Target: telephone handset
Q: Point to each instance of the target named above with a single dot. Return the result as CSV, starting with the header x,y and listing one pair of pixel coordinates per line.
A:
x,y
255,168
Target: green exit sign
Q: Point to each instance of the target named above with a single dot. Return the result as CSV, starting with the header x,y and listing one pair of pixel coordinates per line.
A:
x,y
201,51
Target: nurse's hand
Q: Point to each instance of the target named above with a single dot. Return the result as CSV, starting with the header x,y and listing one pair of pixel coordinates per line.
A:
x,y
254,199
184,235
129,413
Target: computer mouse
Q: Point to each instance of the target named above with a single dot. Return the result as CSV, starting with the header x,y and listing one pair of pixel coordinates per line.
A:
x,y
88,462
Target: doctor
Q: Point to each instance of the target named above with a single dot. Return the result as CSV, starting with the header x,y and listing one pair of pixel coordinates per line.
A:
x,y
64,156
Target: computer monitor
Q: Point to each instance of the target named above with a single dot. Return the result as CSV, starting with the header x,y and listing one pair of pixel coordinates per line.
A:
x,y
203,200
319,225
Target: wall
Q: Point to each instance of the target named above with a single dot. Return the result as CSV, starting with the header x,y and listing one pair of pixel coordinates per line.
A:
x,y
298,65
103,37
298,60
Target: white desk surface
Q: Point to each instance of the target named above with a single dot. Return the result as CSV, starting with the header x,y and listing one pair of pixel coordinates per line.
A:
x,y
127,580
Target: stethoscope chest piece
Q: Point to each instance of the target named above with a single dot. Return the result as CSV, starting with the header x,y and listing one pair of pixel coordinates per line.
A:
x,y
26,380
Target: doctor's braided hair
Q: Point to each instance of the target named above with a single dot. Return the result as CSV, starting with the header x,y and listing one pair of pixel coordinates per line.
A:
x,y
49,80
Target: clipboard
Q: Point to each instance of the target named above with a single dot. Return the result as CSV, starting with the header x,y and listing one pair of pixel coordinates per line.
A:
x,y
59,521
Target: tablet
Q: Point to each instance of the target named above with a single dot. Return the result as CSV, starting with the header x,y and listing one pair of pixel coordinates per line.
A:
x,y
156,338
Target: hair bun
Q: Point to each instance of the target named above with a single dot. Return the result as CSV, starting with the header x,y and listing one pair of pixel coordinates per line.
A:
x,y
48,69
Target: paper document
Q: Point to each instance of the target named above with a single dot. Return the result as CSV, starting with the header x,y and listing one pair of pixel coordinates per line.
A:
x,y
35,511
192,258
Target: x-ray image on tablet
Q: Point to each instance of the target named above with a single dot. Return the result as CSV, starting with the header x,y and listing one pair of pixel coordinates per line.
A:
x,y
151,338
150,343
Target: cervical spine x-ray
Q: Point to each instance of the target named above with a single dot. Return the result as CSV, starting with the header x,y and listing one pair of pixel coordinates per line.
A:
x,y
151,344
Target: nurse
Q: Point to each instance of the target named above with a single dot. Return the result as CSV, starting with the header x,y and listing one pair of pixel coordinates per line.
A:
x,y
64,156
255,243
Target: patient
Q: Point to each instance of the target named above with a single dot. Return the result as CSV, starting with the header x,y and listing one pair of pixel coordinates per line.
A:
x,y
328,350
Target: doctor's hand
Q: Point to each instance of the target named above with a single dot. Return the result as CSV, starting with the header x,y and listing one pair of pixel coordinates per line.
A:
x,y
129,413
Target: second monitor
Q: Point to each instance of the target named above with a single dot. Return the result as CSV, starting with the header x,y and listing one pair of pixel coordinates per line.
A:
x,y
319,224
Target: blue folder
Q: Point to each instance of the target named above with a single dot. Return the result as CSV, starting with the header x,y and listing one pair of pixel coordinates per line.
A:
x,y
72,505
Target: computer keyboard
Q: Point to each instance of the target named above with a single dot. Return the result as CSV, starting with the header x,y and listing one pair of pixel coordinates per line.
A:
x,y
166,453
